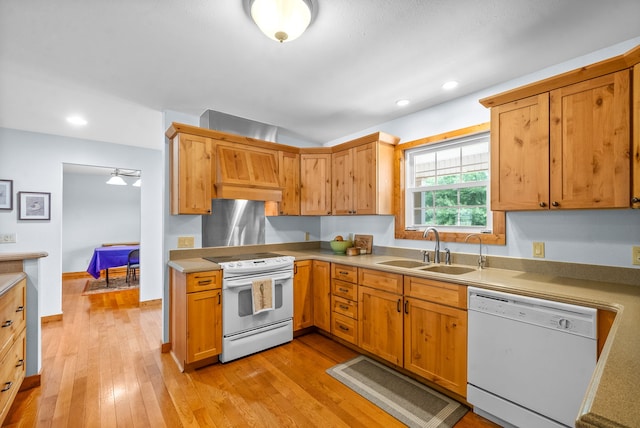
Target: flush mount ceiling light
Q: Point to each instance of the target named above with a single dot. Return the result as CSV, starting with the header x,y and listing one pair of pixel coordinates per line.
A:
x,y
282,20
117,180
77,120
450,85
402,103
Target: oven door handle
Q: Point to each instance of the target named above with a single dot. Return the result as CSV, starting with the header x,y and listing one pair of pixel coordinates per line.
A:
x,y
246,282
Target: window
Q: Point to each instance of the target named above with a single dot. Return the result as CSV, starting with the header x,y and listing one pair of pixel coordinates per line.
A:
x,y
447,185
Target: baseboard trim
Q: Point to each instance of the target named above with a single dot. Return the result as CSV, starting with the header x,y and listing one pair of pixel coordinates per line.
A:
x,y
118,271
155,303
51,318
30,382
165,347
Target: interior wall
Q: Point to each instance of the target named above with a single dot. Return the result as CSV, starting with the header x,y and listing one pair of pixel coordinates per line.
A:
x,y
95,213
35,162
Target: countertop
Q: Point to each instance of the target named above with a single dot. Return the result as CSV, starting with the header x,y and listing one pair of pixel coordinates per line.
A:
x,y
612,397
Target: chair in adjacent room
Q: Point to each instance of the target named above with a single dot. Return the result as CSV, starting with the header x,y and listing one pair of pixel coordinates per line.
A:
x,y
133,264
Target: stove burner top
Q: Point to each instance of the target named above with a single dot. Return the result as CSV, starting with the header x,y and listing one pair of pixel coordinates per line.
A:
x,y
241,257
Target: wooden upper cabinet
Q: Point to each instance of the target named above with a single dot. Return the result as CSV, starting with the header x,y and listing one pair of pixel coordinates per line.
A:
x,y
520,154
565,149
635,194
191,165
362,176
590,142
315,183
289,172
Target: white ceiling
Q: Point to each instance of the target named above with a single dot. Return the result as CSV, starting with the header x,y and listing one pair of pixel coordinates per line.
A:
x,y
121,63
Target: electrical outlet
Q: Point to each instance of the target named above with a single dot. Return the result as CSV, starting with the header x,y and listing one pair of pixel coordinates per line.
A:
x,y
635,254
538,250
7,238
306,236
186,241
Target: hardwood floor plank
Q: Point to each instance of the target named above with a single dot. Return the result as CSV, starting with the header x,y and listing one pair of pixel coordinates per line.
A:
x,y
102,368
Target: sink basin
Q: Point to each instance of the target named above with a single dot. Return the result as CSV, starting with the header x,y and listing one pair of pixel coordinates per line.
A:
x,y
403,263
451,270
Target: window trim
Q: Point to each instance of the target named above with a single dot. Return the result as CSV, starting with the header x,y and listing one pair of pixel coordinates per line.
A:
x,y
498,237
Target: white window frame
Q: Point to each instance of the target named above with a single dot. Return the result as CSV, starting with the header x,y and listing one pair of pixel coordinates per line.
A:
x,y
410,179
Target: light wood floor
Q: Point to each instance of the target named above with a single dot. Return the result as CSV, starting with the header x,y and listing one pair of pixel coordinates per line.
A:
x,y
102,367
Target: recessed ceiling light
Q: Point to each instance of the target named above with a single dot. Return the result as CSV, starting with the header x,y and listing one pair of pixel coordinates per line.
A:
x,y
77,120
450,84
402,103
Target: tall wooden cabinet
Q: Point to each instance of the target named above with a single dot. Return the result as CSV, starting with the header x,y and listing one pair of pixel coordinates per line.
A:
x,y
195,317
302,295
191,174
362,176
315,183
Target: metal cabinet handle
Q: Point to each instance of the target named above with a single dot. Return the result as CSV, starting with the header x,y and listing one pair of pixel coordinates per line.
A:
x,y
7,323
343,272
399,306
20,309
635,200
219,298
543,204
205,282
7,386
344,290
346,308
406,307
20,363
341,327
555,204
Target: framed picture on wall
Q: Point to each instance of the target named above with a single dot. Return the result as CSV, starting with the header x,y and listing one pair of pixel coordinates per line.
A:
x,y
34,206
6,194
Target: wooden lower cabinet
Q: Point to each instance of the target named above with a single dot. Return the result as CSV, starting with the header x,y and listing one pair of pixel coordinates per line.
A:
x,y
380,323
302,295
435,343
344,302
195,322
321,279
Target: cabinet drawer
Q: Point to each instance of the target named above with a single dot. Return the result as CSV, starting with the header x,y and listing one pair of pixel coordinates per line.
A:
x,y
201,281
344,289
345,307
385,281
12,371
436,291
12,314
345,328
344,272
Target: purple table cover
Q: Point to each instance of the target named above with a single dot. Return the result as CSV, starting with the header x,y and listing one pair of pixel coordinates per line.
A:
x,y
108,257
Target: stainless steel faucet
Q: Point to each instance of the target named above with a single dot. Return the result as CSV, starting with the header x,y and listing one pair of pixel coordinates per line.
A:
x,y
481,259
436,256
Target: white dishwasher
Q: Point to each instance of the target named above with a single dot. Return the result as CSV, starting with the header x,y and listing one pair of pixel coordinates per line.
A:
x,y
529,360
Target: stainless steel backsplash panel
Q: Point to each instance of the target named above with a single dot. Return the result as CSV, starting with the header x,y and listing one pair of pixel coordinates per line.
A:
x,y
233,222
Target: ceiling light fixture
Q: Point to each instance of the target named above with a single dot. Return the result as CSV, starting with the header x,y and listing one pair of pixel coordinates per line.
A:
x,y
117,180
402,103
77,120
450,85
282,20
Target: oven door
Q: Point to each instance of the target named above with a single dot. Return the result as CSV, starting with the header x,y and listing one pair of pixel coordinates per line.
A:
x,y
237,308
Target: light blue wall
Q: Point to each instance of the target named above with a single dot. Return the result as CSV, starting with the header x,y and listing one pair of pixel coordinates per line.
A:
x,y
94,213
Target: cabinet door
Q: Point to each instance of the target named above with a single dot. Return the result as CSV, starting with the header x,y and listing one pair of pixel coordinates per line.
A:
x,y
435,345
520,155
315,184
342,179
302,295
635,195
380,323
191,174
590,141
204,325
289,171
321,281
365,188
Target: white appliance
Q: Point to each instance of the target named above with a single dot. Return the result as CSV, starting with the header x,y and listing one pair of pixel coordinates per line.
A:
x,y
244,332
529,360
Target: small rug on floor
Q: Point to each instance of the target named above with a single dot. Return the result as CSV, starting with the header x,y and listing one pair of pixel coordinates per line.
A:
x,y
117,283
407,400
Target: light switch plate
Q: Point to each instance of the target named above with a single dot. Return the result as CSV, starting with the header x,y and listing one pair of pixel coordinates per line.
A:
x,y
186,241
538,249
7,238
635,254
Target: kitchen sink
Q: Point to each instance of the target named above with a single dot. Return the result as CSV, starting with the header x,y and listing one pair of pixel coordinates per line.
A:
x,y
451,270
403,263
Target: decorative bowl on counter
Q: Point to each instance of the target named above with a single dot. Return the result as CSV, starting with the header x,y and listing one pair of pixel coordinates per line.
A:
x,y
340,247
